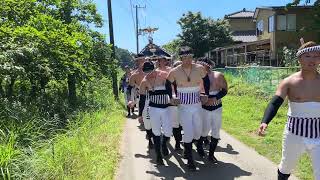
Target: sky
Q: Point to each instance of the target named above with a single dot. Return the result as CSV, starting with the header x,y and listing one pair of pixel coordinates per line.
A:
x,y
164,14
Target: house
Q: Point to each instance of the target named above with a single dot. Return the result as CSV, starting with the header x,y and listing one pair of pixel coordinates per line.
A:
x,y
242,26
276,27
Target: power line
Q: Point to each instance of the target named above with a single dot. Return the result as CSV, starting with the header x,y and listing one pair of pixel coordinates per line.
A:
x,y
144,17
124,8
137,25
131,7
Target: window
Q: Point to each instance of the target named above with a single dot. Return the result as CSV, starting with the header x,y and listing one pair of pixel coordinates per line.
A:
x,y
271,24
291,19
281,22
286,22
260,28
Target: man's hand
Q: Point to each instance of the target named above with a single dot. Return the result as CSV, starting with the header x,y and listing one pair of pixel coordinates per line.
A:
x,y
131,104
211,101
204,99
262,129
140,119
174,101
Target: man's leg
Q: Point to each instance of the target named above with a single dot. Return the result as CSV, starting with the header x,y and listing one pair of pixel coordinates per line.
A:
x,y
126,102
292,148
128,111
185,115
215,133
157,144
197,122
147,126
188,151
167,130
156,130
173,115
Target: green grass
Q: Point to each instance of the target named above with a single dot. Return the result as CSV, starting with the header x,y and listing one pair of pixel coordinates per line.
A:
x,y
241,118
88,151
86,148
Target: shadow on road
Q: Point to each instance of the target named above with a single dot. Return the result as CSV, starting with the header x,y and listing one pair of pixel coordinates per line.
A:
x,y
225,171
229,149
206,170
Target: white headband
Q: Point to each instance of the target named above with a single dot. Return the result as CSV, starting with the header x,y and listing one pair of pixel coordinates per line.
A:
x,y
306,50
205,64
185,55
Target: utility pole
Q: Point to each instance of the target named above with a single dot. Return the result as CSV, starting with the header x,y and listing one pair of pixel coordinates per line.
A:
x,y
113,54
137,26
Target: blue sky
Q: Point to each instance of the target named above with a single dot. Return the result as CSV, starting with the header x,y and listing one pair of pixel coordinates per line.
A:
x,y
164,15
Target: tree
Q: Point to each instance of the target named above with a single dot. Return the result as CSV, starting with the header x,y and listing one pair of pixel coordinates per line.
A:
x,y
45,40
203,34
81,11
173,46
124,57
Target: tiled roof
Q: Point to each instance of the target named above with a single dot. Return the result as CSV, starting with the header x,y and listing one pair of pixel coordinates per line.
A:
x,y
159,51
284,7
240,14
244,36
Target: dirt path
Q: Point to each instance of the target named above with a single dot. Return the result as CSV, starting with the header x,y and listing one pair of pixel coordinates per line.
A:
x,y
237,161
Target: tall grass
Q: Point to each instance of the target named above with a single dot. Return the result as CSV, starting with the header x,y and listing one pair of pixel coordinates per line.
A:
x,y
89,151
38,147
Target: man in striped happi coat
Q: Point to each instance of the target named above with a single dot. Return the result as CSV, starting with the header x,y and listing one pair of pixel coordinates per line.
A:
x,y
302,131
162,62
188,77
123,86
154,85
212,109
134,83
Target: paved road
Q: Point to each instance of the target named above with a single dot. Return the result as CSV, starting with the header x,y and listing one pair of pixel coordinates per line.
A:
x,y
237,161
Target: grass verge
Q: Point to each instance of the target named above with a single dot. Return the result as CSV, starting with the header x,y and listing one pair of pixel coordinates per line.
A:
x,y
89,149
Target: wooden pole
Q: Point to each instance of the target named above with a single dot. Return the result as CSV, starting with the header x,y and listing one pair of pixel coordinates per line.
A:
x,y
113,53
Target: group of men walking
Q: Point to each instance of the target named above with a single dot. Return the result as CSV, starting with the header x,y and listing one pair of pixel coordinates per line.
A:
x,y
188,97
183,97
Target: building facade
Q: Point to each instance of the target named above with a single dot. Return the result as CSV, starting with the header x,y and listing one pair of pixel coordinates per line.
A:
x,y
275,28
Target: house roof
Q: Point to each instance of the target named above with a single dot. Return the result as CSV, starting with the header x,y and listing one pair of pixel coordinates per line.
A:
x,y
158,50
256,12
243,14
244,36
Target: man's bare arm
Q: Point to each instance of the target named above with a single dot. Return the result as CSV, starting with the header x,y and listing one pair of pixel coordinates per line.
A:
x,y
203,71
143,87
142,99
171,75
132,82
222,82
274,105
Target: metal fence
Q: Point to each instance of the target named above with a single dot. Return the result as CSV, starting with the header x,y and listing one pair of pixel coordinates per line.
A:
x,y
266,77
